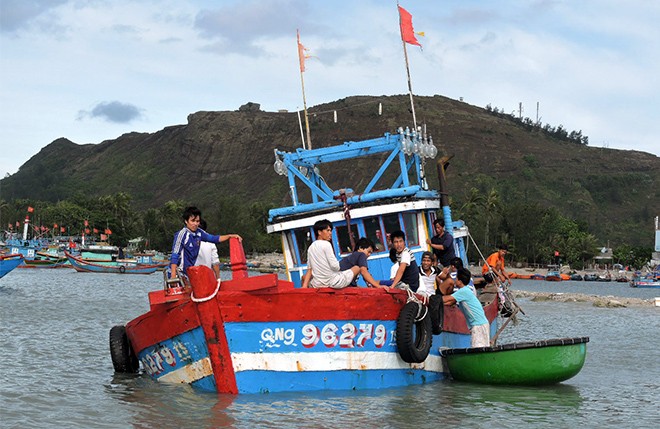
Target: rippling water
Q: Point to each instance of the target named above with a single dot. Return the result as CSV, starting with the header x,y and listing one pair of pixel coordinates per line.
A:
x,y
57,373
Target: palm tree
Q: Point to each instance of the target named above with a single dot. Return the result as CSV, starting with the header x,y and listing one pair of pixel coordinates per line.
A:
x,y
492,206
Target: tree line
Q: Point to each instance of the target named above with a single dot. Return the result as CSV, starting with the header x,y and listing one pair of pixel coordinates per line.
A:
x,y
156,226
558,132
532,232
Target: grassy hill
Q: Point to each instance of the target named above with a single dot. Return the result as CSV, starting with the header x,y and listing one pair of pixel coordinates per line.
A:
x,y
614,193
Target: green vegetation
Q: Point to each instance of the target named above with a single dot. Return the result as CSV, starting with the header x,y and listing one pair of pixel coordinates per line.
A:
x,y
157,226
533,232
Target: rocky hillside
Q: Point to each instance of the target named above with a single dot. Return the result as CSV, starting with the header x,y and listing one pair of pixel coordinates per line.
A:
x,y
231,154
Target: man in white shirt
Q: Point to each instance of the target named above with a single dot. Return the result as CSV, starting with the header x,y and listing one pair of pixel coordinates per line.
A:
x,y
322,264
208,254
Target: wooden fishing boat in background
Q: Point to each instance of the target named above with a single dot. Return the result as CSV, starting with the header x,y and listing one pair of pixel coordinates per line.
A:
x,y
8,262
110,267
531,363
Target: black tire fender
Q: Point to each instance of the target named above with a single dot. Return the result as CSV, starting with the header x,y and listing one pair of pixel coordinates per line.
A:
x,y
122,269
413,336
121,352
437,313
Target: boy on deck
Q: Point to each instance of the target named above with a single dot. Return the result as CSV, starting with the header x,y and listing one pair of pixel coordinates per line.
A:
x,y
471,308
185,247
363,249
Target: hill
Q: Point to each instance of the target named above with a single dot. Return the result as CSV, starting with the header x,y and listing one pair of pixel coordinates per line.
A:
x,y
615,193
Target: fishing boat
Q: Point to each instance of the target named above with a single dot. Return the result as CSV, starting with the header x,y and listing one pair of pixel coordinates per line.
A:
x,y
261,333
576,277
257,334
45,262
531,363
553,276
112,267
8,262
647,280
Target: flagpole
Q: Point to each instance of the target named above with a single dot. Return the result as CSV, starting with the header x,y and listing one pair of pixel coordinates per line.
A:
x,y
301,58
309,137
412,103
405,56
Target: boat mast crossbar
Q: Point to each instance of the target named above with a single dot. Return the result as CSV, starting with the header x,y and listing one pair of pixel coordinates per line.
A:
x,y
405,149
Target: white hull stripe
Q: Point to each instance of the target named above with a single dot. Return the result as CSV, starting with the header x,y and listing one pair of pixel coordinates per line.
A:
x,y
331,361
189,373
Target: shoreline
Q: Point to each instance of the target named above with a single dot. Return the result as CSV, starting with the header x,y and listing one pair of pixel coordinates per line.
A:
x,y
607,301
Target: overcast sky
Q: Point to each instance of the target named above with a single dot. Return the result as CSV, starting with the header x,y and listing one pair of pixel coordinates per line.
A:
x,y
91,70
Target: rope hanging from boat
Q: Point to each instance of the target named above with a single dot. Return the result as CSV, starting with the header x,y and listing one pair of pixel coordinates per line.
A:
x,y
422,303
501,286
208,298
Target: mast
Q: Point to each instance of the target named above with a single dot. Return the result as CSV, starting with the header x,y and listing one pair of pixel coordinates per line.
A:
x,y
408,36
301,58
412,103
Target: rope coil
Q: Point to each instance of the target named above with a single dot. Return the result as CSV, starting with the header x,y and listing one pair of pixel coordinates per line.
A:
x,y
208,298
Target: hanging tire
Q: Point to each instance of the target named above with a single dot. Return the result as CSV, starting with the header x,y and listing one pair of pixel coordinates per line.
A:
x,y
413,338
122,269
123,358
437,313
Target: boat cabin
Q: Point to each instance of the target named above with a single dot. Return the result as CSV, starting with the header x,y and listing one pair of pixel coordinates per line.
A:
x,y
407,205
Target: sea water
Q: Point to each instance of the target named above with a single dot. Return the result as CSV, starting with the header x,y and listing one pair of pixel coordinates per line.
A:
x,y
56,371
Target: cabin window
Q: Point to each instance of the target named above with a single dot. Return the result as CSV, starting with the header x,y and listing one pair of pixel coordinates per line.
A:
x,y
391,223
410,225
344,239
374,233
303,240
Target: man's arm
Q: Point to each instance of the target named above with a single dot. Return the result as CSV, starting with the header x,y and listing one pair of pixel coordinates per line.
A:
x,y
228,236
306,278
399,273
368,277
448,300
435,246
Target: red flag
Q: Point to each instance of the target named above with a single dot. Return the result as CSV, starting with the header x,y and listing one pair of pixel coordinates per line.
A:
x,y
301,53
86,230
86,222
108,231
407,32
96,231
62,229
30,209
104,237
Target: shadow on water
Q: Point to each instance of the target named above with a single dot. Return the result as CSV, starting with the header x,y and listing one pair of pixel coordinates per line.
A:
x,y
157,405
152,404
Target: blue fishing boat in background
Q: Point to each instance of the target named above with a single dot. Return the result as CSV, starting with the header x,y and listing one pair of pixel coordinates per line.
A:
x,y
9,262
110,267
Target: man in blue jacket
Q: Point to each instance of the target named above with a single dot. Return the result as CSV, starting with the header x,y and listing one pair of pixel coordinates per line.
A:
x,y
185,247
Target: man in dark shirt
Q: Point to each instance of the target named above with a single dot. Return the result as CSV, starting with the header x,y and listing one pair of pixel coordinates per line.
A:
x,y
363,249
442,243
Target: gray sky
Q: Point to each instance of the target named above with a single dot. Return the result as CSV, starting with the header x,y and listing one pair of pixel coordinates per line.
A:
x,y
92,70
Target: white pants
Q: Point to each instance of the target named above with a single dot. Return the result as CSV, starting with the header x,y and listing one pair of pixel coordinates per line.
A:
x,y
480,336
